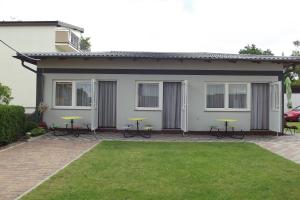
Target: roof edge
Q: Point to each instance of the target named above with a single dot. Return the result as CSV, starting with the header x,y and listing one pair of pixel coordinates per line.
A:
x,y
41,23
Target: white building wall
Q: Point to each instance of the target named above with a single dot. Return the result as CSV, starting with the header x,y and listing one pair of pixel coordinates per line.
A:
x,y
199,119
295,101
24,39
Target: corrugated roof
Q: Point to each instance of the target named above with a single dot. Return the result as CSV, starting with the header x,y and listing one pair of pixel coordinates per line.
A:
x,y
166,55
41,23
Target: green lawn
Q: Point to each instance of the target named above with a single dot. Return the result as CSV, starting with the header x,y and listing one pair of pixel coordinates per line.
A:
x,y
168,171
295,124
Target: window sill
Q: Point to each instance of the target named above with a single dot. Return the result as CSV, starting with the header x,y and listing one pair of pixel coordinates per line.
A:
x,y
225,110
147,109
71,108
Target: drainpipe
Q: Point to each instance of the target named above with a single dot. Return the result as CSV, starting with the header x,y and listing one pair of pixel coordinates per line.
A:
x,y
26,67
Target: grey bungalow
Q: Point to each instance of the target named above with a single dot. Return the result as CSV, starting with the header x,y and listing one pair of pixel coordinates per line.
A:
x,y
187,91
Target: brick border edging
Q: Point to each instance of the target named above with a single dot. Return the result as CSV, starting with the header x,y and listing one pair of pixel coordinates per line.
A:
x,y
47,178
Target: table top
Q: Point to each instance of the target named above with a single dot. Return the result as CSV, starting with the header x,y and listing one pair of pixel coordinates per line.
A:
x,y
136,119
226,120
71,117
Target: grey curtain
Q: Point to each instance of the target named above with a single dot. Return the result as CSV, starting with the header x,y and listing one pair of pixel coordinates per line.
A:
x,y
63,94
215,96
172,105
237,96
107,104
83,94
260,106
148,95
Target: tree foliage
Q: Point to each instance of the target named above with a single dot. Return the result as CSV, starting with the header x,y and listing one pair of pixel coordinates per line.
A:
x,y
85,44
252,49
5,94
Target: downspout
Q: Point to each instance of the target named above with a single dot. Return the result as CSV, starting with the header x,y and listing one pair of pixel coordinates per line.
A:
x,y
26,67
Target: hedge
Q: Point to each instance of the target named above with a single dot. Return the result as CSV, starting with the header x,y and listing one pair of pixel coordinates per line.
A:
x,y
12,123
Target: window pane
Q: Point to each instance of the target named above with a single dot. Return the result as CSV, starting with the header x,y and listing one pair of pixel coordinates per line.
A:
x,y
238,96
63,96
148,95
83,94
215,96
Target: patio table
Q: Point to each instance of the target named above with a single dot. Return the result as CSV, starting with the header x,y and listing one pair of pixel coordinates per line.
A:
x,y
226,121
137,121
71,118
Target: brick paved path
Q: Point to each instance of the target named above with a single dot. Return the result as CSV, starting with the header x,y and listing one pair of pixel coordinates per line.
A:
x,y
285,146
25,165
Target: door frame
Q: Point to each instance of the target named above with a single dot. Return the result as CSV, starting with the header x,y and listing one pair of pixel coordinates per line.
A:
x,y
184,106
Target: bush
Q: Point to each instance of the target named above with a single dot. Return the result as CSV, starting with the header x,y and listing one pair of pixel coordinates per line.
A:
x,y
12,123
29,125
37,131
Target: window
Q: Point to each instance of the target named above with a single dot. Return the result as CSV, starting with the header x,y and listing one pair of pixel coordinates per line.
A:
x,y
237,96
83,94
215,96
63,94
275,96
149,95
227,96
72,94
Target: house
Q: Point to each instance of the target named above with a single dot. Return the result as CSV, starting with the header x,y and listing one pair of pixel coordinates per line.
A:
x,y
31,36
173,91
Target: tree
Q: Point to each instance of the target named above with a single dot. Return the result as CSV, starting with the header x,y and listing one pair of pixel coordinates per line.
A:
x,y
5,94
252,49
296,52
85,44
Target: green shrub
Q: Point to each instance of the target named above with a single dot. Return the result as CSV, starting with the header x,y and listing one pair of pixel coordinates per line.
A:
x,y
29,125
37,131
12,123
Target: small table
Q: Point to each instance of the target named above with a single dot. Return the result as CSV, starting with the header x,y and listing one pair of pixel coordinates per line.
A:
x,y
137,119
71,118
226,122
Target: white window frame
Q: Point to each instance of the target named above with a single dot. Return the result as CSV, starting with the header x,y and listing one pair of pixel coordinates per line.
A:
x,y
160,95
226,96
273,97
74,93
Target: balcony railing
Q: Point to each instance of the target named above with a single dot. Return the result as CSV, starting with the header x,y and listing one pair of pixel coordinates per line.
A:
x,y
67,37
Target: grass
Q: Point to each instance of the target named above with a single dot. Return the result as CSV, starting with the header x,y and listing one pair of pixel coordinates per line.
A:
x,y
169,171
295,124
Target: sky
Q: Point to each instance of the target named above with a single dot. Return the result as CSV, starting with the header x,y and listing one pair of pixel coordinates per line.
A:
x,y
171,25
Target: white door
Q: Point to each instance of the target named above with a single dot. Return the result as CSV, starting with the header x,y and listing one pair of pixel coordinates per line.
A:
x,y
276,106
184,104
94,105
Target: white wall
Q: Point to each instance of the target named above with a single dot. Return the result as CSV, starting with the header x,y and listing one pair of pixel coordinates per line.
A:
x,y
199,120
24,39
295,101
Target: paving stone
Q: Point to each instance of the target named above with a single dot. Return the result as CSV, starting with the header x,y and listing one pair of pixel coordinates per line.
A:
x,y
23,166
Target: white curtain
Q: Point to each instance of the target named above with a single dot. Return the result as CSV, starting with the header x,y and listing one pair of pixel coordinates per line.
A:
x,y
172,105
237,96
148,95
83,94
107,104
215,96
260,106
63,94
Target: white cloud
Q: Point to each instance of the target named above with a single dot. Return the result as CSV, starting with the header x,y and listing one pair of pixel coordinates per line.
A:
x,y
171,25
